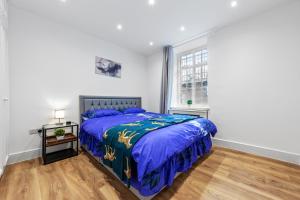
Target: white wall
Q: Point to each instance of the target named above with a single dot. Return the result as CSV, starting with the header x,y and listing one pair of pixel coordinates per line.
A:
x,y
51,65
4,85
254,83
154,71
254,80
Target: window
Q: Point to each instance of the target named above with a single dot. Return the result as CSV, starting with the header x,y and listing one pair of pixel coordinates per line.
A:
x,y
192,74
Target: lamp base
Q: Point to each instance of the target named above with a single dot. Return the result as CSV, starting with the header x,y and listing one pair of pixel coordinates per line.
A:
x,y
59,123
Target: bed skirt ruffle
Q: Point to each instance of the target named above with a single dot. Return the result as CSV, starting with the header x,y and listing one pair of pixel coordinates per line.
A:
x,y
92,144
164,175
182,162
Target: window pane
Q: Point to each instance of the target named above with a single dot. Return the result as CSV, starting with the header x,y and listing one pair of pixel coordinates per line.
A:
x,y
204,55
204,73
186,94
189,59
183,61
198,57
201,95
197,74
193,74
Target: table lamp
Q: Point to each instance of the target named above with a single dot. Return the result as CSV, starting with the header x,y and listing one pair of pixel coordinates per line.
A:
x,y
59,114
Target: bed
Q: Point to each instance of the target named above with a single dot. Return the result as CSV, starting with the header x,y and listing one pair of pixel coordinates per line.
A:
x,y
157,157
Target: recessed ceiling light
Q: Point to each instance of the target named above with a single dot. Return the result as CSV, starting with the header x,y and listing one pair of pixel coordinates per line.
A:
x,y
234,4
182,28
151,43
151,2
119,27
64,1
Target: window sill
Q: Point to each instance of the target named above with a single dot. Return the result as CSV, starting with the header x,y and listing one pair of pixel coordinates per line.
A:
x,y
198,111
190,108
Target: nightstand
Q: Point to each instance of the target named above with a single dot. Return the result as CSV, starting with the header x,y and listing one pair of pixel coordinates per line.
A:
x,y
71,137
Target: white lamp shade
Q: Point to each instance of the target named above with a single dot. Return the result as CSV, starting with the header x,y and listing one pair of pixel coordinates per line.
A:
x,y
59,114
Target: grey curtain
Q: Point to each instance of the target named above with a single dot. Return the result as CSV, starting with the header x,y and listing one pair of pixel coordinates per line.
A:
x,y
167,77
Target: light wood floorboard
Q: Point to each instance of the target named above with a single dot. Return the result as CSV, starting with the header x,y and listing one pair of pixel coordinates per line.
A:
x,y
224,174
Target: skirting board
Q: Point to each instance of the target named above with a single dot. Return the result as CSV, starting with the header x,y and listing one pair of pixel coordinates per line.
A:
x,y
3,169
260,151
248,148
24,155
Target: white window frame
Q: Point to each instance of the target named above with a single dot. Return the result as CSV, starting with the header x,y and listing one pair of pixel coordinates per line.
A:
x,y
179,76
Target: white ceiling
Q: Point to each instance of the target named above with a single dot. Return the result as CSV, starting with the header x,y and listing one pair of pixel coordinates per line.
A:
x,y
143,23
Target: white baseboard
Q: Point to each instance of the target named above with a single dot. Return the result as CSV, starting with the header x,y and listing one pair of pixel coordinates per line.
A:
x,y
6,160
3,168
248,148
23,155
257,150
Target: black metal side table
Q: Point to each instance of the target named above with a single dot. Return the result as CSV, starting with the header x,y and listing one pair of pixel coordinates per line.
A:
x,y
50,141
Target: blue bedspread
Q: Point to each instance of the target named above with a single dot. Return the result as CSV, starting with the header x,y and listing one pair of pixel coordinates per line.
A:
x,y
159,151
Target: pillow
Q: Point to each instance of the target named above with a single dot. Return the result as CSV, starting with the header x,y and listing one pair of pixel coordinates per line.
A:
x,y
97,113
133,110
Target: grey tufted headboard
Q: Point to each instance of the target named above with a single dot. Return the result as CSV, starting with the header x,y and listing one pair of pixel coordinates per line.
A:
x,y
100,102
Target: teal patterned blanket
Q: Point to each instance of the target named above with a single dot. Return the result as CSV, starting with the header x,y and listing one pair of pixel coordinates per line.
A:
x,y
119,141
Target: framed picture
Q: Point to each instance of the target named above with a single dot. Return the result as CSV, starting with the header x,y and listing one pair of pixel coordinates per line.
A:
x,y
107,67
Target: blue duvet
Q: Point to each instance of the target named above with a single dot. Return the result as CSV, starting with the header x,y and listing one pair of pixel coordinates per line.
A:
x,y
159,151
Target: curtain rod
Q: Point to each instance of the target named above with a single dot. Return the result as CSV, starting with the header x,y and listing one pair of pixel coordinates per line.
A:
x,y
201,35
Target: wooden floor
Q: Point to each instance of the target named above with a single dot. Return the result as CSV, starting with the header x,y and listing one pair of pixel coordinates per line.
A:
x,y
225,174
